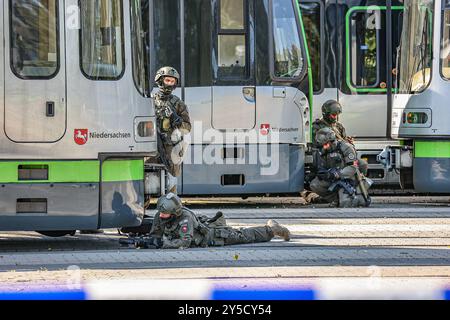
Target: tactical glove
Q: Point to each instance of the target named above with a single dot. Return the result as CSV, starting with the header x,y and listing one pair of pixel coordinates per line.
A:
x,y
330,175
334,174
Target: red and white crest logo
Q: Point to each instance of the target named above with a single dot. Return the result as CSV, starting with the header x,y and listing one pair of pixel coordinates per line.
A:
x,y
265,129
80,136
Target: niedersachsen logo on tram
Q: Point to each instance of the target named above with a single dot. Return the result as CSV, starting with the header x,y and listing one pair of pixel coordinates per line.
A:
x,y
82,136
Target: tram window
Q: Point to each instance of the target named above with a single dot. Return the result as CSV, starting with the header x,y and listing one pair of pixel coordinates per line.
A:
x,y
167,34
364,49
198,43
312,23
288,57
232,14
232,39
445,54
34,38
232,55
101,39
140,41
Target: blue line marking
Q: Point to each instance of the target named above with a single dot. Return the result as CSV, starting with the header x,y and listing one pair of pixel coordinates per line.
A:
x,y
43,295
263,295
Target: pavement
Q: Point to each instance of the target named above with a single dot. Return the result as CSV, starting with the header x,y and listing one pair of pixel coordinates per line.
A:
x,y
402,241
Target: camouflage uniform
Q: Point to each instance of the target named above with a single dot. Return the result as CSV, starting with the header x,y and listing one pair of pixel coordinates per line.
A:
x,y
165,107
329,107
188,231
184,229
173,124
338,165
337,127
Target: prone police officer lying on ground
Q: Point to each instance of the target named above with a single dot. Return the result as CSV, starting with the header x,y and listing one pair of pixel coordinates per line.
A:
x,y
337,176
177,227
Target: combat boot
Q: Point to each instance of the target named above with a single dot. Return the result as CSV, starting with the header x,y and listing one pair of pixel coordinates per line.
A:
x,y
279,230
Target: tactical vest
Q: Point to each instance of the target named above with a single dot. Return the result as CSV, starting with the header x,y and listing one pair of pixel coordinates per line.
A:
x,y
164,108
338,157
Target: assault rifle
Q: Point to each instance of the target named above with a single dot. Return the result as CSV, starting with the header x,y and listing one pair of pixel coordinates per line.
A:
x,y
141,242
362,186
344,184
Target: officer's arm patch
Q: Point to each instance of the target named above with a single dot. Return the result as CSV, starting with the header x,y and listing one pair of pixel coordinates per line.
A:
x,y
185,231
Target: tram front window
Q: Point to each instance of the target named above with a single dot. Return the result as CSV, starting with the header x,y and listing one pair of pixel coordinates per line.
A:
x,y
287,48
140,42
415,58
445,51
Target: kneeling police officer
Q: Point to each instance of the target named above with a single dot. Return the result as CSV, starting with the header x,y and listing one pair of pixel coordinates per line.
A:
x,y
177,227
337,176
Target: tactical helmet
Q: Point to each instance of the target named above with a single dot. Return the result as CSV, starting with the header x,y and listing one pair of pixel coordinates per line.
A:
x,y
325,135
166,72
331,107
170,203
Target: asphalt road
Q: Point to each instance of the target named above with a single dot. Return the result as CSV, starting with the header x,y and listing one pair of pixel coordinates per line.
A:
x,y
406,239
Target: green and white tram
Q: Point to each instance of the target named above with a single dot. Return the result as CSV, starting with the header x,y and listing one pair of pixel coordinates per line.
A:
x,y
75,128
348,48
420,111
245,80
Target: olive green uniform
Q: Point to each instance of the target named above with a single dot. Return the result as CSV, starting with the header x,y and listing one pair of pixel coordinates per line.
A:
x,y
165,106
188,230
341,135
337,128
343,157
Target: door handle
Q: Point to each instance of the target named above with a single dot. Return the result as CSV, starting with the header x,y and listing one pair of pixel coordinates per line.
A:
x,y
50,109
249,94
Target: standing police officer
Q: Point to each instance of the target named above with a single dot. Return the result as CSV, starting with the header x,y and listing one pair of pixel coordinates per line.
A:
x,y
173,123
338,179
176,227
330,119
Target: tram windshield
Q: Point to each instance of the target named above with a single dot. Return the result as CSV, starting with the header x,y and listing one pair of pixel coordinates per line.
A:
x,y
415,56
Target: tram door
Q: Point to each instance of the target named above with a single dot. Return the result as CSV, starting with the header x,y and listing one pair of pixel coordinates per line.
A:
x,y
364,84
347,44
234,91
34,60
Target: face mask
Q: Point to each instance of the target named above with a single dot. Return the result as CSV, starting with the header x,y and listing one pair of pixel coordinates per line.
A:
x,y
166,89
168,220
332,118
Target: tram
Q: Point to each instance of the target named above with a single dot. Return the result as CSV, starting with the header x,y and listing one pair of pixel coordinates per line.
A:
x,y
244,68
76,130
420,100
348,49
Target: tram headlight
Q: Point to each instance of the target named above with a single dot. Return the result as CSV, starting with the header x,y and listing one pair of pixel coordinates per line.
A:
x,y
146,129
416,118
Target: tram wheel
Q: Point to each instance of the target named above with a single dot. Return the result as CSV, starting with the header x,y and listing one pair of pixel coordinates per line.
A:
x,y
58,233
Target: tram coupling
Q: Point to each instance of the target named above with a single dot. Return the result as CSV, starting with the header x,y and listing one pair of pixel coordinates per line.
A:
x,y
396,157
